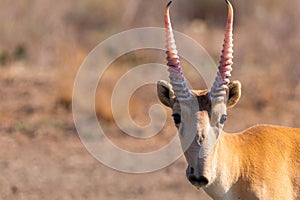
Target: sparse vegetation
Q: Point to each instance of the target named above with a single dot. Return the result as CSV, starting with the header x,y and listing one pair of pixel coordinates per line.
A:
x,y
43,44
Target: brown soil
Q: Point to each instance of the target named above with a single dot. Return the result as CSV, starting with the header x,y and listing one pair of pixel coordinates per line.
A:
x,y
42,156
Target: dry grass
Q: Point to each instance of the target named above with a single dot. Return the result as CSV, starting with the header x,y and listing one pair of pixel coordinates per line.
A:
x,y
43,43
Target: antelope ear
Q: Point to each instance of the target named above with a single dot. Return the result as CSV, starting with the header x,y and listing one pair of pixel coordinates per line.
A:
x,y
165,93
234,93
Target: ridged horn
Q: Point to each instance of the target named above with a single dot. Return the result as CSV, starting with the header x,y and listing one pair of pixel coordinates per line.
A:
x,y
218,90
177,79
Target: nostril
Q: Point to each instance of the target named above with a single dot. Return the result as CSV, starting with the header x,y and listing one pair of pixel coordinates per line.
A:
x,y
191,170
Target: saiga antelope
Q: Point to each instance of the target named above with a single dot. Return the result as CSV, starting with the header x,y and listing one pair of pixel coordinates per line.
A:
x,y
262,162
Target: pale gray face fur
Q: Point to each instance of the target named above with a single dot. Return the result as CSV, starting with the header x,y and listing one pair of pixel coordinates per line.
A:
x,y
202,120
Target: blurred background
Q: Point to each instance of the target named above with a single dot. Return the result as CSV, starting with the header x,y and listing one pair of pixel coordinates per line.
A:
x,y
44,42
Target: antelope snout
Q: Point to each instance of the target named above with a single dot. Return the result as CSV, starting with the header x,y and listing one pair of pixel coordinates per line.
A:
x,y
195,179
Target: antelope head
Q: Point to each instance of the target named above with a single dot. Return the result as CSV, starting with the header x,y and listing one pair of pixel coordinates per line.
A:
x,y
199,114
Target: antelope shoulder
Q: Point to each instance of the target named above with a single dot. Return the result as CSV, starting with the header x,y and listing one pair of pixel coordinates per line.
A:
x,y
269,159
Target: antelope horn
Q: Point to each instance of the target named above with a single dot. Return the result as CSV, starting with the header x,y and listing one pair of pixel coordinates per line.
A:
x,y
177,80
218,90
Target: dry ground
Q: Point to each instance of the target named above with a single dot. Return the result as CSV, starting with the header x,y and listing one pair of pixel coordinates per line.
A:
x,y
42,157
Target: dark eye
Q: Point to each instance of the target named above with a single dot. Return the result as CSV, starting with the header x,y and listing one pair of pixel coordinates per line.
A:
x,y
177,118
223,119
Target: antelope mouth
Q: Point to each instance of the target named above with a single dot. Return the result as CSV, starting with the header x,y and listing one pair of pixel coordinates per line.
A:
x,y
197,181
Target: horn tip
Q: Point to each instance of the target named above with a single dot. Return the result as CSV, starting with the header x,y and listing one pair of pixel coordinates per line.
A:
x,y
169,4
228,3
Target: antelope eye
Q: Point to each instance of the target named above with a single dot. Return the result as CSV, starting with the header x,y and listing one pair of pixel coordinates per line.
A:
x,y
223,119
176,118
